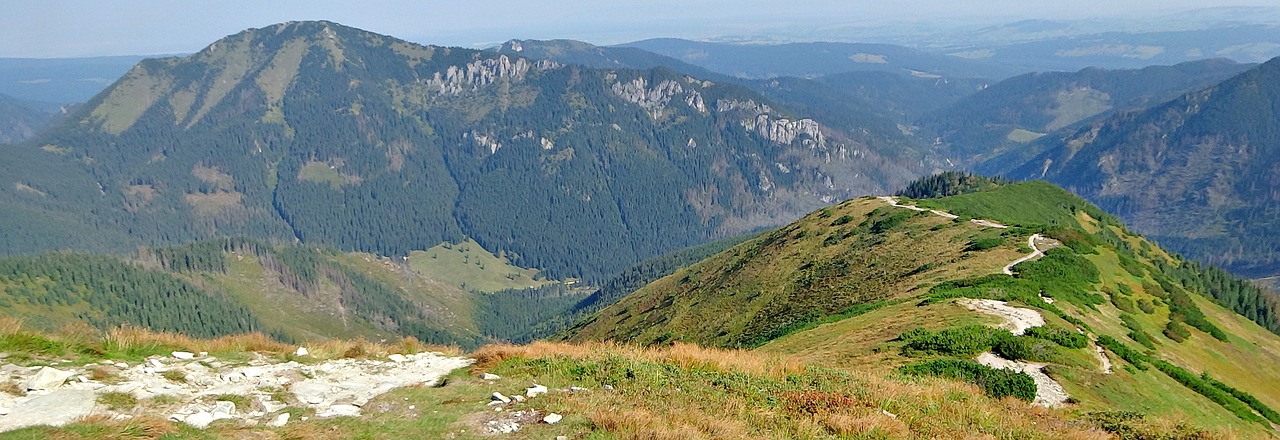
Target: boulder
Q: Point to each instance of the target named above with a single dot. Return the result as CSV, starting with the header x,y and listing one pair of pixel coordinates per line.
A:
x,y
280,420
490,376
398,358
48,378
498,397
552,418
535,390
57,408
184,355
340,411
302,351
201,419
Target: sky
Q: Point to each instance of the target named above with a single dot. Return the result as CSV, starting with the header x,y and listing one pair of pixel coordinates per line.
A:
x,y
71,28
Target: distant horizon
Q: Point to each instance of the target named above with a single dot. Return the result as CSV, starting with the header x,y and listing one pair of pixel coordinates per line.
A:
x,y
78,28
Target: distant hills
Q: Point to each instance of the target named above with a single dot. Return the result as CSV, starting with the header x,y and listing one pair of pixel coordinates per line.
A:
x,y
1008,116
61,80
20,120
1194,174
324,134
807,60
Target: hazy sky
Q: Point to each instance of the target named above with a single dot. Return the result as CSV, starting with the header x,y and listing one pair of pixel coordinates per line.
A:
x,y
61,28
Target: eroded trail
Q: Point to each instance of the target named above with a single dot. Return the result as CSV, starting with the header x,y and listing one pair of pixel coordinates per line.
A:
x,y
1016,319
1049,393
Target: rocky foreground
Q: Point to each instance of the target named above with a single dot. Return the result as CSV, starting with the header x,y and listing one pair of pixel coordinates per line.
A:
x,y
198,389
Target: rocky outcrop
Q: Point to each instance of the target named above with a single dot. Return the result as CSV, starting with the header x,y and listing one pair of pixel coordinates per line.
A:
x,y
483,72
759,119
656,99
199,386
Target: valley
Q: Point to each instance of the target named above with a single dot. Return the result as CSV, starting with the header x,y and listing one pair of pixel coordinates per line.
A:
x,y
312,230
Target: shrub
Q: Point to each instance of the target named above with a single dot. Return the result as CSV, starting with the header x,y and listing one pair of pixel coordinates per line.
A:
x,y
1058,335
1123,303
961,341
1247,398
1146,306
982,244
1195,383
1176,331
996,383
1138,360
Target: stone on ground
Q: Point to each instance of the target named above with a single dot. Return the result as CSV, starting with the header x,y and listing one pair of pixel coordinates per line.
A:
x,y
48,378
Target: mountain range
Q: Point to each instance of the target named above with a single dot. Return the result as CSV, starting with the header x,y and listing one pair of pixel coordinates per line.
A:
x,y
1194,173
325,134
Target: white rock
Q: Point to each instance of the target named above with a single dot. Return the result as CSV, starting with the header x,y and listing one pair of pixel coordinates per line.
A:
x,y
253,371
552,418
48,378
302,351
340,411
122,365
535,390
501,398
5,411
224,406
490,376
201,419
204,353
608,387
578,389
57,408
271,406
397,357
184,355
155,363
518,398
280,420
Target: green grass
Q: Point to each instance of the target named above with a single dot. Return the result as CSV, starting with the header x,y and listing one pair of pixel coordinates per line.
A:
x,y
321,172
469,266
117,401
1034,203
1023,136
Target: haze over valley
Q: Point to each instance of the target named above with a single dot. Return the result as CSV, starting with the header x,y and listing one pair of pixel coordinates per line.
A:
x,y
580,220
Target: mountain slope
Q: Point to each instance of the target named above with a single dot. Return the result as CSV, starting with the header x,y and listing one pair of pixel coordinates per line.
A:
x,y
20,120
317,132
1195,174
1009,115
868,285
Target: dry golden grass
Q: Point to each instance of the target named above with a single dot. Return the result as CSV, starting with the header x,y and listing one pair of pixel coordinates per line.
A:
x,y
683,355
864,404
106,427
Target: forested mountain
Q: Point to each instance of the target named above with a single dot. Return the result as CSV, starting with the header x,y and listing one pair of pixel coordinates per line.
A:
x,y
1196,174
325,134
20,120
1007,116
1101,318
806,60
871,106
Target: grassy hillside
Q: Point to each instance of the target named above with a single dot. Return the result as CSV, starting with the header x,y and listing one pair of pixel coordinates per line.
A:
x,y
601,390
867,286
293,293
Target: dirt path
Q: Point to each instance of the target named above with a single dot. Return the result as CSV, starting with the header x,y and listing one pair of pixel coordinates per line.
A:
x,y
1102,358
1016,319
1049,393
1035,253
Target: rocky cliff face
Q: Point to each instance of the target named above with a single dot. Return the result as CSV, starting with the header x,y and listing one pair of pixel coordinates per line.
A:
x,y
483,72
